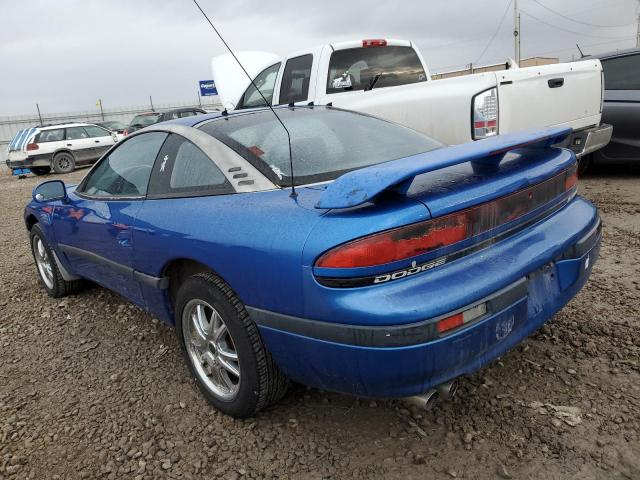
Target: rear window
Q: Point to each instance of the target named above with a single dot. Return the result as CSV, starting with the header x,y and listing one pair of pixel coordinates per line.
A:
x,y
326,142
357,68
622,73
145,120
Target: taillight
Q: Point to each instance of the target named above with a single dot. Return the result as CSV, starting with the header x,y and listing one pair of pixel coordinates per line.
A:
x,y
423,237
485,114
459,319
32,146
125,132
377,42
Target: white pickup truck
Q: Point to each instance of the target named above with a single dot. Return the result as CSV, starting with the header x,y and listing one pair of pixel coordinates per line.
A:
x,y
389,79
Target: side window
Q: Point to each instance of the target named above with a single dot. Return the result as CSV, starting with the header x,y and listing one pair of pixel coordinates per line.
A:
x,y
97,132
76,133
265,81
295,80
188,113
126,171
622,73
182,169
50,135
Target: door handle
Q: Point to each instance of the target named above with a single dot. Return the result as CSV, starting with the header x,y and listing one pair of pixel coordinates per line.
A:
x,y
556,82
69,145
97,141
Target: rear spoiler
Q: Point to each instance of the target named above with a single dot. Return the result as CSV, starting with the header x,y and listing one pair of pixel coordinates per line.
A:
x,y
360,186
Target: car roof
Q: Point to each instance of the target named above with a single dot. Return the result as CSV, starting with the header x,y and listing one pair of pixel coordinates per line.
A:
x,y
65,125
613,54
197,119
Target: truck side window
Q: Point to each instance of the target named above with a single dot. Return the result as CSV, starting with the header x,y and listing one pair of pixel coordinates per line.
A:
x,y
622,73
295,80
265,81
358,68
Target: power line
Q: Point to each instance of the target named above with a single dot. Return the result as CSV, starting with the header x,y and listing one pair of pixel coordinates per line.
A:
x,y
504,15
586,46
578,21
565,29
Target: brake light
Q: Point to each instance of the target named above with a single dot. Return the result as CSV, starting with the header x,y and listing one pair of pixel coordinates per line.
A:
x,y
485,114
32,146
424,237
125,132
377,42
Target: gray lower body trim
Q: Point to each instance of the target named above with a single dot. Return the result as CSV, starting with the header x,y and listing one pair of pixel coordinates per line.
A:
x,y
69,277
384,336
150,280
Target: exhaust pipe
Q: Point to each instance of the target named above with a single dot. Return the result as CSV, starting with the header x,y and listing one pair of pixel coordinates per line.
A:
x,y
448,390
425,401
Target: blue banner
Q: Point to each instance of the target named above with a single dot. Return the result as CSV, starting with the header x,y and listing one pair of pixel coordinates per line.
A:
x,y
207,88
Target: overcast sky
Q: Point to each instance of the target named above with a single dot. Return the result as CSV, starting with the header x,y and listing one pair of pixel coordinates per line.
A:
x,y
68,53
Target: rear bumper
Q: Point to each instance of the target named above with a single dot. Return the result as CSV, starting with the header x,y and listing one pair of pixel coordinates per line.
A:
x,y
31,161
410,358
584,142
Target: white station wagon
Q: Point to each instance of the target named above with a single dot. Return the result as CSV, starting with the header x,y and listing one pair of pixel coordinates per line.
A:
x,y
59,147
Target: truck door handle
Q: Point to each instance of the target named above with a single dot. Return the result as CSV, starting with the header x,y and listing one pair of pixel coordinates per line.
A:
x,y
69,145
97,141
556,82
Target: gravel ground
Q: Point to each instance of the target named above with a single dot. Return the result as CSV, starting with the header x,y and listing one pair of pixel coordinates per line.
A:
x,y
92,387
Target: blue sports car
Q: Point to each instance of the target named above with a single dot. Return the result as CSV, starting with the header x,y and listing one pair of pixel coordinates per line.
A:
x,y
396,265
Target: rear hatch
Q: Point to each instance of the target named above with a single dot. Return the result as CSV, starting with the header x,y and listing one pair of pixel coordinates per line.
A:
x,y
473,195
567,95
18,145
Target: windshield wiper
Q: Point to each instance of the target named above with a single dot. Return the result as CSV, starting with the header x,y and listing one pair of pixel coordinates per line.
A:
x,y
373,82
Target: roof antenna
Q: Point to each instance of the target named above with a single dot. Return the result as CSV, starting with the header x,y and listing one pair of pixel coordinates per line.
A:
x,y
582,55
293,183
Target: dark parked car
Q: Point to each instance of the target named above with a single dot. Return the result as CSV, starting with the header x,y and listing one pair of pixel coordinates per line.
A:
x,y
150,118
621,106
114,126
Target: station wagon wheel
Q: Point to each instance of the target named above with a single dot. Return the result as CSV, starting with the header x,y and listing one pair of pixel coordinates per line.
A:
x,y
211,349
223,348
64,162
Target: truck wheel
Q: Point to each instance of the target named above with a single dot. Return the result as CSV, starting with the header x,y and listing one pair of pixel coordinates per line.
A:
x,y
583,165
223,348
50,277
40,170
64,162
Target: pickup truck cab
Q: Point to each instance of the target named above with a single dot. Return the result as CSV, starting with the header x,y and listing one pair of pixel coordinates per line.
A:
x,y
390,79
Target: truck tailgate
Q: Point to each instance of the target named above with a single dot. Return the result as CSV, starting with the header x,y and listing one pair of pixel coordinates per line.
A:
x,y
567,95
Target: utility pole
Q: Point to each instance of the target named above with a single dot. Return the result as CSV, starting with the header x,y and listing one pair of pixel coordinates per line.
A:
x,y
638,33
516,31
39,116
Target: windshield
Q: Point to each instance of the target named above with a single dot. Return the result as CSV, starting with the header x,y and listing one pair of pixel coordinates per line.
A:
x,y
326,142
361,68
145,120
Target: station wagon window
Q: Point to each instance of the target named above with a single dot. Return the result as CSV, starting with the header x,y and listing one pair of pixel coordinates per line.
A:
x,y
295,80
126,170
622,73
265,81
76,133
97,132
182,169
357,68
50,136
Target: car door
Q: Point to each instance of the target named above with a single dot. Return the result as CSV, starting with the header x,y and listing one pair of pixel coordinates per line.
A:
x,y
102,138
184,180
622,107
78,141
94,228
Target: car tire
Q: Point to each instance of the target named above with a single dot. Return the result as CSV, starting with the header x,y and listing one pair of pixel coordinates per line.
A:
x,y
583,165
64,162
40,170
213,326
48,272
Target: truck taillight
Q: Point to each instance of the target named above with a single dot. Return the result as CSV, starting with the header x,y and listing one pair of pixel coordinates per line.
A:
x,y
32,146
485,114
376,42
419,238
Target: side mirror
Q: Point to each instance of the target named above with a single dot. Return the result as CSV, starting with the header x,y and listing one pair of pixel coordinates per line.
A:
x,y
51,190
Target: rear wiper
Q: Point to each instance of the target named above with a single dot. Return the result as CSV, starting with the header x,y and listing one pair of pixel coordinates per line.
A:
x,y
373,82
